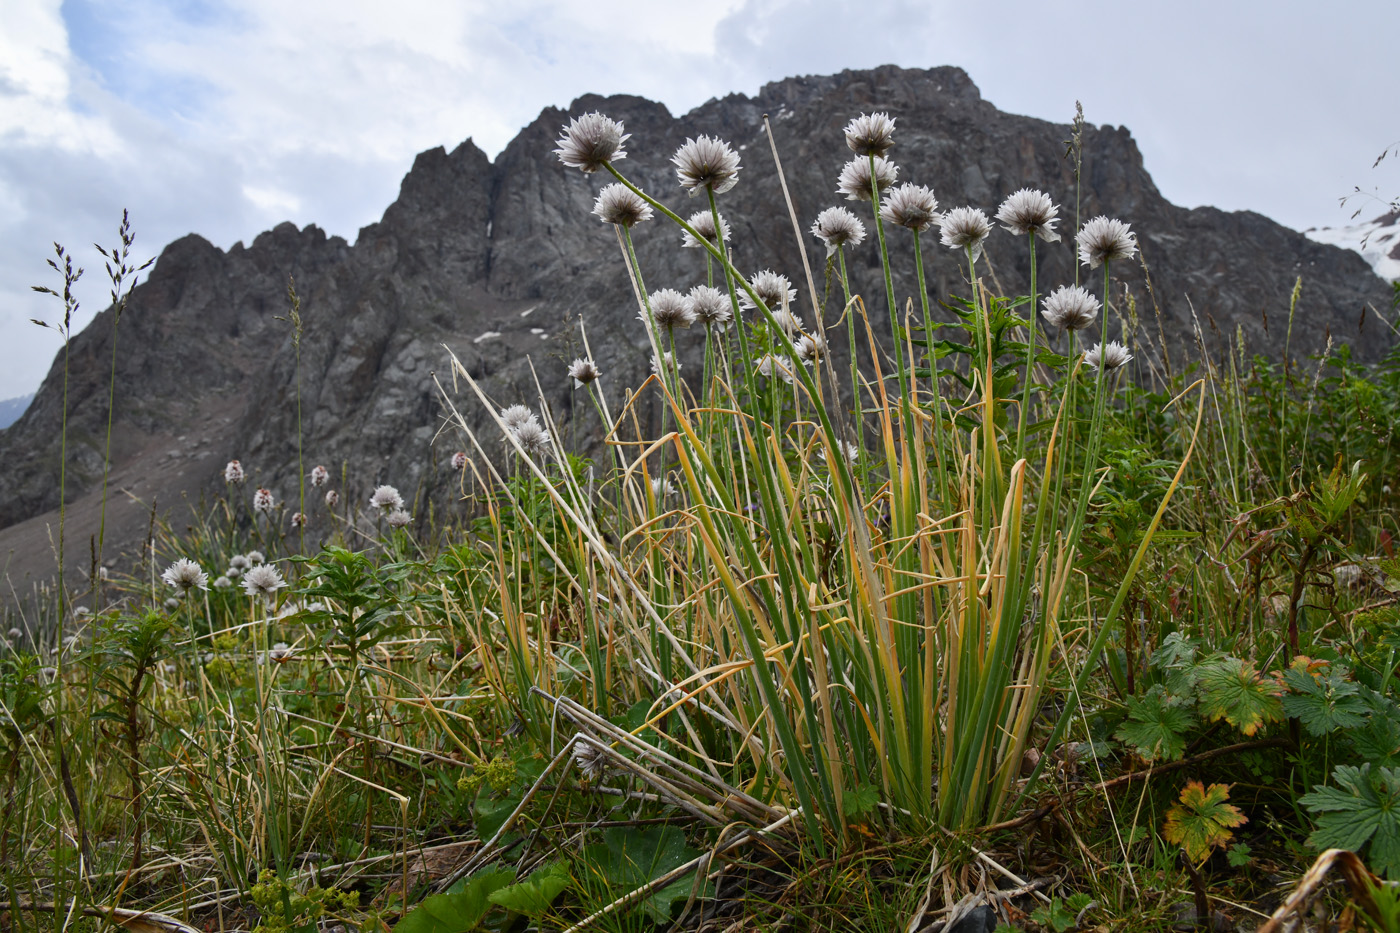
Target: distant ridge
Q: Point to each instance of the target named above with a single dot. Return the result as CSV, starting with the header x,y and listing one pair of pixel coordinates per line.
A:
x,y
12,408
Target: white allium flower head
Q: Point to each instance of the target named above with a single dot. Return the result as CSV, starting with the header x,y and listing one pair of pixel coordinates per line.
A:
x,y
810,348
710,306
15,634
299,520
847,449
398,519
618,204
233,472
670,309
533,439
282,652
772,365
1070,307
706,163
911,206
256,557
870,134
582,372
171,604
1112,355
1030,212
592,763
332,498
263,501
703,223
320,476
240,562
185,575
222,583
855,184
233,573
661,487
965,228
838,227
516,415
459,460
772,289
1105,239
386,499
263,580
666,363
591,141
787,322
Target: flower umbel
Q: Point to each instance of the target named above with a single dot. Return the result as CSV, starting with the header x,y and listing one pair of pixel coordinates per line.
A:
x,y
263,501
703,222
855,184
965,228
185,575
618,204
838,227
706,163
671,309
263,580
590,142
1070,307
320,476
516,415
870,134
1105,239
774,290
233,473
398,519
582,372
667,361
533,439
459,460
775,364
911,206
710,306
386,499
1111,355
1030,212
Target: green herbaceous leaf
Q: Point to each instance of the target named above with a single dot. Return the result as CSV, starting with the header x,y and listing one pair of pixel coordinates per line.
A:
x,y
1202,819
628,858
1363,810
460,909
857,803
1156,725
1323,702
1239,855
1231,690
1378,739
1176,650
533,896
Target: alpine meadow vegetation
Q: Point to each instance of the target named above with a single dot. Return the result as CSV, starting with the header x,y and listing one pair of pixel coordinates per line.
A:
x,y
910,612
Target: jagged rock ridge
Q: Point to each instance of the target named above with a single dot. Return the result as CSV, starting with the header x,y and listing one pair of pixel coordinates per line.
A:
x,y
206,371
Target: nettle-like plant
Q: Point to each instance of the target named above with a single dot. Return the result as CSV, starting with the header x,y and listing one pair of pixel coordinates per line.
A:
x,y
829,596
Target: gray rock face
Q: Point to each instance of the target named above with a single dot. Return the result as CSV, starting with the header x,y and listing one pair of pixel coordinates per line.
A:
x,y
473,249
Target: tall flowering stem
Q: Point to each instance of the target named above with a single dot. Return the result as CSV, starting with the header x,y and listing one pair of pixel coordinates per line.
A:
x,y
940,448
1030,358
889,292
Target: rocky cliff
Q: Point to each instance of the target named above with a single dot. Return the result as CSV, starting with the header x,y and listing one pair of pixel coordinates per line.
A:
x,y
500,260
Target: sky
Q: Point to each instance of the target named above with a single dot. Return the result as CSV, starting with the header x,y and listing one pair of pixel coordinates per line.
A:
x,y
226,117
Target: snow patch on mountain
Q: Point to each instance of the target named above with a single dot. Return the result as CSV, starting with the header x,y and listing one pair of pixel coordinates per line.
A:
x,y
1378,242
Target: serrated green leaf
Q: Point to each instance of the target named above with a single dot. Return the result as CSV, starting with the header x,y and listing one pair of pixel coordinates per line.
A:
x,y
1156,725
460,909
1231,690
533,896
1323,702
1201,819
1176,650
1363,811
857,803
1239,855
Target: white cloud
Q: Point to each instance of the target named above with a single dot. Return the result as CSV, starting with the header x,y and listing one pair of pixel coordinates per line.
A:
x,y
228,116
